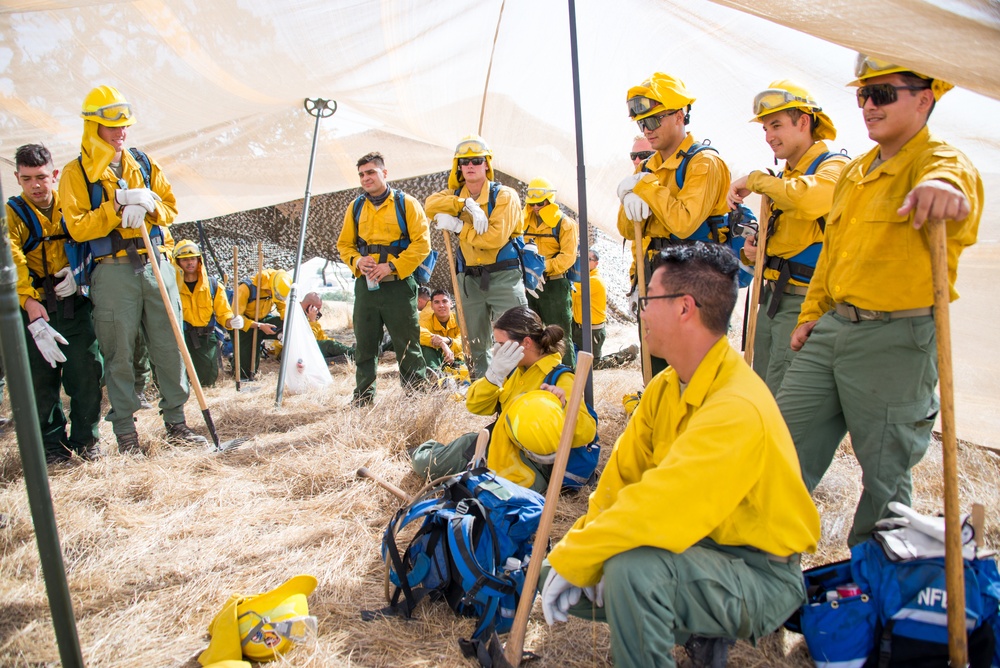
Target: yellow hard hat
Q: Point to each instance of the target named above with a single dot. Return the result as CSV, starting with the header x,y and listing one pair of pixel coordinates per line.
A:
x,y
867,67
261,627
540,190
657,94
534,423
281,285
186,248
471,146
784,94
107,106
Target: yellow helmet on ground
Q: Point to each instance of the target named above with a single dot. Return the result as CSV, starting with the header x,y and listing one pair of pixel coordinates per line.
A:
x,y
782,95
281,285
867,67
534,422
107,106
261,627
658,94
471,146
540,190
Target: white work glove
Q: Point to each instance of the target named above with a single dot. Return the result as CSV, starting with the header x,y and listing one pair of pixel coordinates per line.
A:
x,y
505,359
538,288
143,197
236,322
636,208
133,215
595,594
558,596
627,184
67,286
47,339
448,223
479,220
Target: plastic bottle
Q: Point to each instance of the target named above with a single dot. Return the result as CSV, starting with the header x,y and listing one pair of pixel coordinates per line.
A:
x,y
300,366
372,284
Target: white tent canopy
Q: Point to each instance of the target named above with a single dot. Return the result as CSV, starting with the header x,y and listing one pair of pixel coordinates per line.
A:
x,y
218,87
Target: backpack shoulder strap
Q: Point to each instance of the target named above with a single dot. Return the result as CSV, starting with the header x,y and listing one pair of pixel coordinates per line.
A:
x,y
213,286
30,220
144,165
95,189
823,157
359,202
253,289
494,190
552,377
400,199
686,158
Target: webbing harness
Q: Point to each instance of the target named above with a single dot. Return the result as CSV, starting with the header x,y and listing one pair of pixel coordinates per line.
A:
x,y
35,240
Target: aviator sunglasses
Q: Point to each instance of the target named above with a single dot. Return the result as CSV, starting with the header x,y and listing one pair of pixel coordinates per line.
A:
x,y
462,162
883,93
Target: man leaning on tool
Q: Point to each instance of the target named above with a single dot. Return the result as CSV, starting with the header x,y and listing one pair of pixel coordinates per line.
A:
x,y
708,442
670,214
105,199
487,219
801,194
54,313
868,360
383,258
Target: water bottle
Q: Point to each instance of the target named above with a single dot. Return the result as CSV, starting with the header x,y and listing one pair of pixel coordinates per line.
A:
x,y
300,366
372,284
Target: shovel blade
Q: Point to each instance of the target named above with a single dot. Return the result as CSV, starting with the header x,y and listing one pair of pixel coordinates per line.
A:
x,y
232,443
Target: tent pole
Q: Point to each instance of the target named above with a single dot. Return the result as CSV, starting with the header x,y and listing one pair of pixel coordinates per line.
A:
x,y
319,108
581,176
14,348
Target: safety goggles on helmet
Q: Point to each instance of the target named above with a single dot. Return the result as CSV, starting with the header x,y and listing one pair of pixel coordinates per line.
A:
x,y
773,98
271,633
883,93
462,162
111,112
640,104
640,155
866,67
652,122
540,194
475,147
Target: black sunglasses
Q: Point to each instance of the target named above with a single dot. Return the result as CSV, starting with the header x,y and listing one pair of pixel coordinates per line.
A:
x,y
652,122
462,162
640,155
644,301
883,93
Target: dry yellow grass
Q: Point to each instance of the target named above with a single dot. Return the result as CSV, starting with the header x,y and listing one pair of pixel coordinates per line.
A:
x,y
155,545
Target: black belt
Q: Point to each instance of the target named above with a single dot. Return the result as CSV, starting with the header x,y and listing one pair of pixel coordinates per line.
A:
x,y
483,271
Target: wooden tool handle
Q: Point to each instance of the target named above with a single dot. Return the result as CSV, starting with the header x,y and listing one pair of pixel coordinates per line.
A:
x,y
459,310
641,279
363,472
758,278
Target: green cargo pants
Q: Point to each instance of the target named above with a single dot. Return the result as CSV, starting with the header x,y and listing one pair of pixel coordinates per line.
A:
x,y
875,379
431,460
204,351
483,307
80,375
332,348
597,337
654,599
393,305
554,306
124,301
140,364
772,350
246,346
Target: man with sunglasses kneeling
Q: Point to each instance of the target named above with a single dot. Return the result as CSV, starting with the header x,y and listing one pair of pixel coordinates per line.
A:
x,y
487,218
867,362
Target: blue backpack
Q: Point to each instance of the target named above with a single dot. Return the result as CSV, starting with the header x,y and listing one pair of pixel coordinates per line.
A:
x,y
422,274
583,459
573,273
471,549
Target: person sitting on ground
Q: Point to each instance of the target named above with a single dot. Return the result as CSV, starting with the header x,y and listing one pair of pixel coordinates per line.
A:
x,y
531,413
441,338
333,350
272,286
707,442
203,304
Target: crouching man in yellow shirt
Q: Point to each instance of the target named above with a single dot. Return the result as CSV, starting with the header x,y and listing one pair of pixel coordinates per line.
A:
x,y
708,443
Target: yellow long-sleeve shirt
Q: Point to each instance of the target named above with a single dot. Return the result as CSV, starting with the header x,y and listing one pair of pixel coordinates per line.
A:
x,y
505,222
381,227
559,253
679,211
198,305
430,325
802,199
485,398
55,254
872,257
598,300
84,224
715,460
248,307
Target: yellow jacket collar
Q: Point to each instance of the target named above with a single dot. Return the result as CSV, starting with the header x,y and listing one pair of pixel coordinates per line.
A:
x,y
813,152
703,377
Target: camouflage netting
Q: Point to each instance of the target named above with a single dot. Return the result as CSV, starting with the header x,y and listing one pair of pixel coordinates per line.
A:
x,y
277,227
